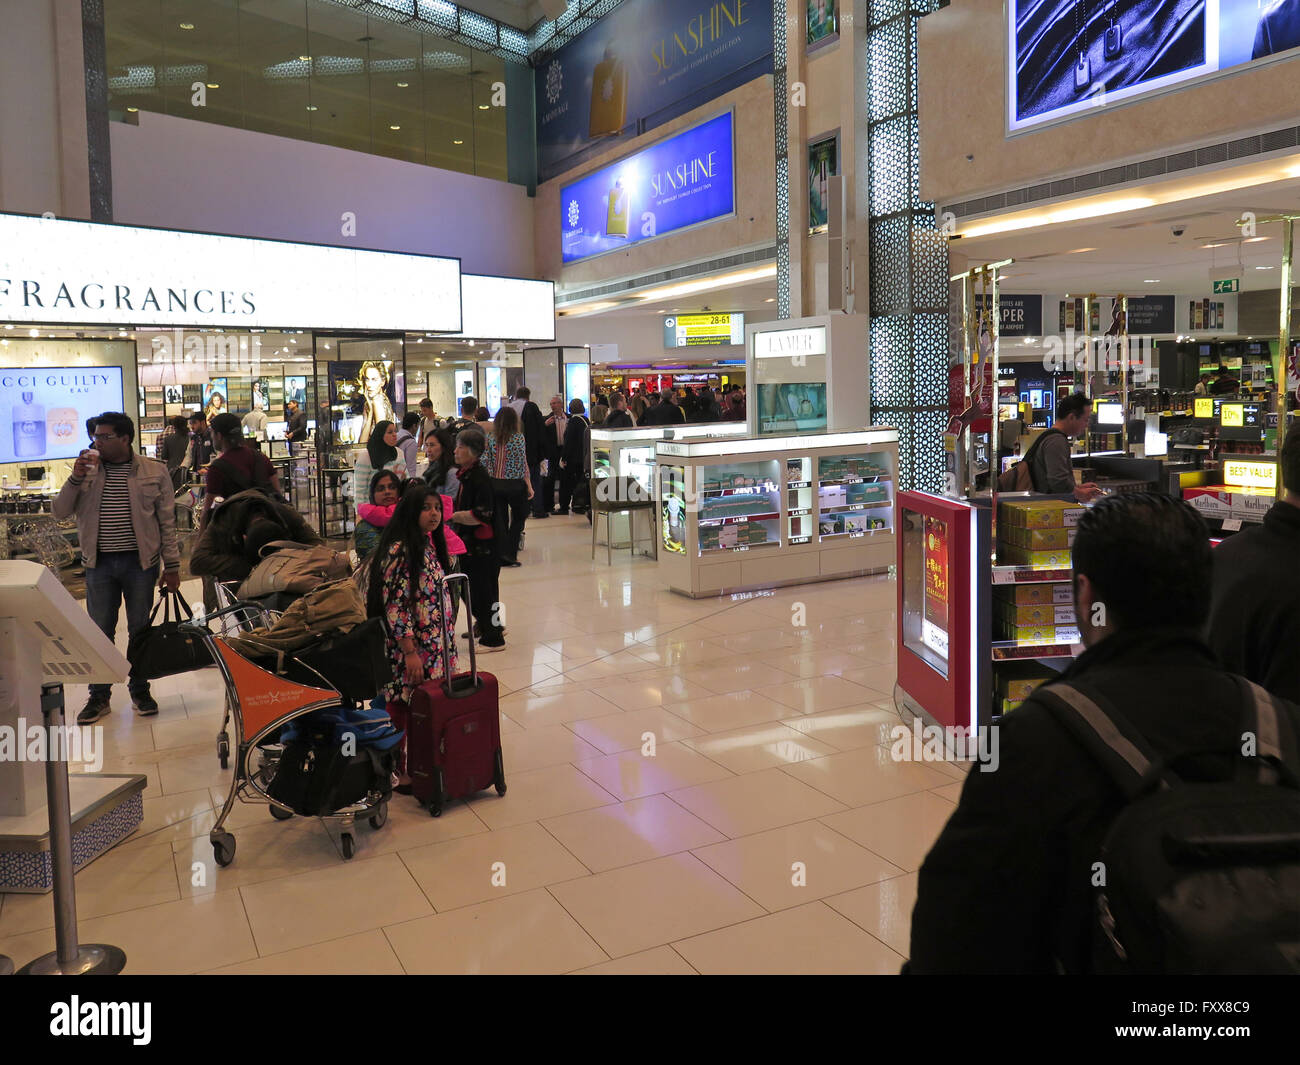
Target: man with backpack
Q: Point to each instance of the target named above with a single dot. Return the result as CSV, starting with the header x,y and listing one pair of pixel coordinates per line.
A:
x,y
1046,467
1059,860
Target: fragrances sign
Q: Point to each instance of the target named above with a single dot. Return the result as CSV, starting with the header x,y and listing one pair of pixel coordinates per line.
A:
x,y
43,409
55,270
646,62
683,181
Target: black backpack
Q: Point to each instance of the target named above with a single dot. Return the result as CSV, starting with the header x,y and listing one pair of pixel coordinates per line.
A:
x,y
1198,877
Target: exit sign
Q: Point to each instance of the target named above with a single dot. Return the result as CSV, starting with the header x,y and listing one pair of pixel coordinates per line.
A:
x,y
1227,285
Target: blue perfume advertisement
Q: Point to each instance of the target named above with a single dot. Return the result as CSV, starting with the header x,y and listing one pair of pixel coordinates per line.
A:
x,y
1074,56
644,64
43,410
683,181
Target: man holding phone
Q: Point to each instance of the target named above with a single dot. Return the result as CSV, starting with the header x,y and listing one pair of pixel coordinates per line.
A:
x,y
126,521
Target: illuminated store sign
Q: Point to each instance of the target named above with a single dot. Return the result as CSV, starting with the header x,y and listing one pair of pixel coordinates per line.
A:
x,y
683,181
1250,474
52,270
788,343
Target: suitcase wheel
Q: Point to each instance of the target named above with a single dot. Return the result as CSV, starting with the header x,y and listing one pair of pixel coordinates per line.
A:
x,y
349,846
499,777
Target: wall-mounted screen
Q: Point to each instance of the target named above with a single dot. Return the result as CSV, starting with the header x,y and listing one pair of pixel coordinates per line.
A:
x,y
1074,57
577,383
1110,414
683,181
43,410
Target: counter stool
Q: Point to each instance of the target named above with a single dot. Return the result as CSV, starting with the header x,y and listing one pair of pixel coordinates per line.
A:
x,y
617,495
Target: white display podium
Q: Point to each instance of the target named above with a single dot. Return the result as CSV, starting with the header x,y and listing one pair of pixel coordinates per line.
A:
x,y
47,640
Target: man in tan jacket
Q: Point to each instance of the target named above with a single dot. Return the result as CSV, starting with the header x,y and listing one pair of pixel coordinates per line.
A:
x,y
126,521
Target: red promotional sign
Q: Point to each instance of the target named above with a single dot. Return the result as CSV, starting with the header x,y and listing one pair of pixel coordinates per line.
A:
x,y
936,572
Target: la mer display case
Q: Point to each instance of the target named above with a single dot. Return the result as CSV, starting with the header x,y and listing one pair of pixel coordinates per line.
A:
x,y
740,514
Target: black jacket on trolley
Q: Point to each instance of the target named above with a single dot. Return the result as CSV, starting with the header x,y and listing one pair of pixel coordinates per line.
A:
x,y
1255,613
220,552
1007,887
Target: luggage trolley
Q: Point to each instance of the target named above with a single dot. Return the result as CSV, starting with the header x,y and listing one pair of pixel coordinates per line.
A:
x,y
261,703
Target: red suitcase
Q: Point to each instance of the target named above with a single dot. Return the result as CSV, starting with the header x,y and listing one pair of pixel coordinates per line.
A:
x,y
453,731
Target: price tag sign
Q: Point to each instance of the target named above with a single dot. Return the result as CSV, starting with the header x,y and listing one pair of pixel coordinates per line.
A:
x,y
1231,524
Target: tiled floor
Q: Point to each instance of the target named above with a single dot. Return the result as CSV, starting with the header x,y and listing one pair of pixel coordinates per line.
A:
x,y
694,786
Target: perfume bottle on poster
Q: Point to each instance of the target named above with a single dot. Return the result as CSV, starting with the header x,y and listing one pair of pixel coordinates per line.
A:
x,y
29,427
608,97
616,216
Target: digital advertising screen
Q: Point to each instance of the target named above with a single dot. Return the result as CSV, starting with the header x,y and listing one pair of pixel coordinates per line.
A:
x,y
1072,57
703,330
683,181
44,409
787,407
577,383
493,383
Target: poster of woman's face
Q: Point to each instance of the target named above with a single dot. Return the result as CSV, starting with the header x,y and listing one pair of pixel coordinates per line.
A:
x,y
365,391
261,392
214,397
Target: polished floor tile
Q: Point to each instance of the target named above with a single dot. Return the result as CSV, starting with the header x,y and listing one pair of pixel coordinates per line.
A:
x,y
355,896
633,729
490,865
865,775
732,710
540,793
641,906
661,961
527,934
755,747
883,909
847,728
806,940
754,802
636,773
902,830
630,832
790,866
362,954
548,745
811,695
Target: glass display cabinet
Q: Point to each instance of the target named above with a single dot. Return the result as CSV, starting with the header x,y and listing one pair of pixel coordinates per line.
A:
x,y
726,506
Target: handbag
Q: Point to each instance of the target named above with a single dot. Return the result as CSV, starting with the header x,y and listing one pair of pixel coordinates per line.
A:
x,y
288,566
162,650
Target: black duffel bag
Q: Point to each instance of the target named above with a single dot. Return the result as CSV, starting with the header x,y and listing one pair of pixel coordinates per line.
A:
x,y
162,649
316,779
356,663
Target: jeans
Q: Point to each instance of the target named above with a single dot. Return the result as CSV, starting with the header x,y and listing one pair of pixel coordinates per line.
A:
x,y
485,596
117,576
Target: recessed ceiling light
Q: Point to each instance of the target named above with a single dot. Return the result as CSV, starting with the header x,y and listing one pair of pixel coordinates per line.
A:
x,y
187,25
403,84
305,58
1264,268
132,110
457,142
1151,281
1253,240
312,107
33,332
213,85
770,299
482,107
394,127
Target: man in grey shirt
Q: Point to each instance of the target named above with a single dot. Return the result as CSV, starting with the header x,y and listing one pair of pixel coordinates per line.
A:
x,y
1050,465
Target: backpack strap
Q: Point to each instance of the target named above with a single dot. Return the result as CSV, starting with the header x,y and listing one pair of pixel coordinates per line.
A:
x,y
1093,720
1275,746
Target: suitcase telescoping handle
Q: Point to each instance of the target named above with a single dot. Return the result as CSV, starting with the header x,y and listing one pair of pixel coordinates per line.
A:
x,y
448,636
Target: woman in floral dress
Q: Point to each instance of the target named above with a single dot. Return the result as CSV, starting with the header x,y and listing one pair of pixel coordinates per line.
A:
x,y
405,580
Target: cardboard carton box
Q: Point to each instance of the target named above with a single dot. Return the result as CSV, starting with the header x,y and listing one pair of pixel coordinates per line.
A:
x,y
1039,513
1024,594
